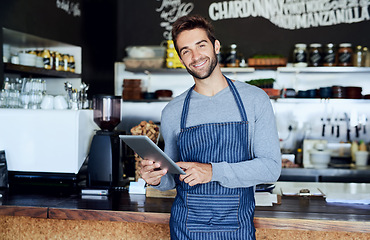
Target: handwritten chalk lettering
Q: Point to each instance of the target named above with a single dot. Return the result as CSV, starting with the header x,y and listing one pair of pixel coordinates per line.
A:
x,y
170,11
69,7
294,14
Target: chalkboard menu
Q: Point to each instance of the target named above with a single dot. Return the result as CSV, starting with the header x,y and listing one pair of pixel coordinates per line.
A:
x,y
256,26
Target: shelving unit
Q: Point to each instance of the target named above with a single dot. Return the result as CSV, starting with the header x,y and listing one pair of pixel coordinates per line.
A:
x,y
19,41
27,71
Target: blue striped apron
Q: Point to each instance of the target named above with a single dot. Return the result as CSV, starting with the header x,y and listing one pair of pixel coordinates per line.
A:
x,y
211,211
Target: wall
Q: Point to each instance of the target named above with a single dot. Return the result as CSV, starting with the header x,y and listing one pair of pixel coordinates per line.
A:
x,y
254,35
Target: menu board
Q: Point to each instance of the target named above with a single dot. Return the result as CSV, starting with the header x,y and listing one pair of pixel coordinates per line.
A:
x,y
256,26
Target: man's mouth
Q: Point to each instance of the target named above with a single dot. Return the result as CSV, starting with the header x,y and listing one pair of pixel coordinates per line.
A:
x,y
199,64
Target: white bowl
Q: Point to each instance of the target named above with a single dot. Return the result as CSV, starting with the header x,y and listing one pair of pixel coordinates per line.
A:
x,y
320,159
27,59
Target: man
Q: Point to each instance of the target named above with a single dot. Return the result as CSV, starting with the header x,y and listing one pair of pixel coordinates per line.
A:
x,y
223,134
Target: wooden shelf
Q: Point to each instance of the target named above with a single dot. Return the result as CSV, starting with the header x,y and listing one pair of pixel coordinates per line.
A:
x,y
28,71
181,70
324,69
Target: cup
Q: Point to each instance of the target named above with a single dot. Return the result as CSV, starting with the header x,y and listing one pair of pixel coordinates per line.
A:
x,y
361,158
47,102
60,103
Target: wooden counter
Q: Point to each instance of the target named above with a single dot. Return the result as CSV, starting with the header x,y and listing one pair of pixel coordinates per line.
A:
x,y
124,216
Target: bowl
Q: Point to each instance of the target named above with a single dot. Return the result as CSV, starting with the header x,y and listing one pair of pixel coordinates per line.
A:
x,y
320,159
146,51
27,59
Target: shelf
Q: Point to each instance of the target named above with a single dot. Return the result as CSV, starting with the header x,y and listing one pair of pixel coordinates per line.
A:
x,y
324,69
320,100
181,70
146,100
38,72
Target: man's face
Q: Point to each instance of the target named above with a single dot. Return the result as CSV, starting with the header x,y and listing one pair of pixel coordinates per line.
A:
x,y
197,52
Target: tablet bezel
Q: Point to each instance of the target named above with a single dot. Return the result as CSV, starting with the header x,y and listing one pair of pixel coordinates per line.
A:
x,y
147,149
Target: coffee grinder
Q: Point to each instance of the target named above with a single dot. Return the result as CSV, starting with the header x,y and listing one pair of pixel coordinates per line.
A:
x,y
104,165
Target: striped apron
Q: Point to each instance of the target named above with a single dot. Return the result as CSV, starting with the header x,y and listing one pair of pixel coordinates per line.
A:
x,y
211,211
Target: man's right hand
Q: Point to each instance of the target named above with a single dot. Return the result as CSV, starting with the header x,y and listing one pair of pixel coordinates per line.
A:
x,y
150,172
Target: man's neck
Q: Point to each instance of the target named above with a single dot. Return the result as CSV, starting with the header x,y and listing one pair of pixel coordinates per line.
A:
x,y
212,85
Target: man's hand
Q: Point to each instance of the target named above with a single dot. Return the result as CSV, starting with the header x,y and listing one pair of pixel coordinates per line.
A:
x,y
196,173
150,172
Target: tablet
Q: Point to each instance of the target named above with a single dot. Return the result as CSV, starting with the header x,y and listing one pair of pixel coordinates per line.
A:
x,y
147,149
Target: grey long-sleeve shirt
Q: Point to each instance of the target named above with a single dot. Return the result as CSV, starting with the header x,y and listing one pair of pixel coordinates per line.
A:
x,y
265,165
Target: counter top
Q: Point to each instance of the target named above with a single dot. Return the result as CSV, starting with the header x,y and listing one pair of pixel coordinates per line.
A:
x,y
308,213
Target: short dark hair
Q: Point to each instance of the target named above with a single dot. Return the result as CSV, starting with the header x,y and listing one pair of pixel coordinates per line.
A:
x,y
189,23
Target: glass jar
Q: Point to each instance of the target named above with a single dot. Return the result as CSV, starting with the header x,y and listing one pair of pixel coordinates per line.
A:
x,y
345,54
300,55
330,55
71,63
358,57
315,55
46,58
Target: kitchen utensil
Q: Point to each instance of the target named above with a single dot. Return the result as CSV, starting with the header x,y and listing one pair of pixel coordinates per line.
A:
x,y
348,127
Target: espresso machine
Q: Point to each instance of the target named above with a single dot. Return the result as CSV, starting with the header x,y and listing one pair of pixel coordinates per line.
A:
x,y
104,165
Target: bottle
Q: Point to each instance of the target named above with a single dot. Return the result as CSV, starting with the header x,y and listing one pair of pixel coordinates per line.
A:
x,y
345,54
354,149
71,63
315,55
365,57
46,58
300,55
362,146
358,57
299,157
330,58
232,57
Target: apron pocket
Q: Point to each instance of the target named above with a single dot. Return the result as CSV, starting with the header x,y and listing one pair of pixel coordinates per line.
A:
x,y
212,213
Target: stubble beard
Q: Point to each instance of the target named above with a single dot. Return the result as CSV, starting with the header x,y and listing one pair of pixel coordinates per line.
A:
x,y
212,66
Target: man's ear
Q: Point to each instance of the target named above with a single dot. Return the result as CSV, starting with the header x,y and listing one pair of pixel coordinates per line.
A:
x,y
217,46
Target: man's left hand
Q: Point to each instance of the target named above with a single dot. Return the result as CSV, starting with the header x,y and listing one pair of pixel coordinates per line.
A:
x,y
196,173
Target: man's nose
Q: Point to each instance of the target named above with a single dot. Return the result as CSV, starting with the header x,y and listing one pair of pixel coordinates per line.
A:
x,y
196,54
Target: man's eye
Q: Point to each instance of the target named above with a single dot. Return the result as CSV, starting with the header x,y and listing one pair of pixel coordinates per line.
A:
x,y
184,52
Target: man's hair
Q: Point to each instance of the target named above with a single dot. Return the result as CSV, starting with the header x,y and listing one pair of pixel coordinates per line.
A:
x,y
189,23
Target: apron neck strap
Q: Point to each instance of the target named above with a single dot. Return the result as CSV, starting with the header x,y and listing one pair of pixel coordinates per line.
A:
x,y
185,109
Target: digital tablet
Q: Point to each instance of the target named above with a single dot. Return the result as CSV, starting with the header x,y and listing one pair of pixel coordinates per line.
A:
x,y
147,149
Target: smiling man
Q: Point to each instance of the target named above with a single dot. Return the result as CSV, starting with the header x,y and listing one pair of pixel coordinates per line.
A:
x,y
223,134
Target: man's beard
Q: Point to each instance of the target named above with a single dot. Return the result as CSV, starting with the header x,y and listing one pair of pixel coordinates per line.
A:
x,y
212,65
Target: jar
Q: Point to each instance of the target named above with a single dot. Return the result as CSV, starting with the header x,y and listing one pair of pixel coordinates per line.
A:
x,y
65,63
329,55
358,57
59,64
71,63
345,54
300,55
46,58
315,55
232,57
